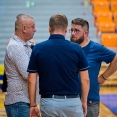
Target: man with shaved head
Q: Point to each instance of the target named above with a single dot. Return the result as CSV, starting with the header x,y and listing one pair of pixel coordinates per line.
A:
x,y
16,62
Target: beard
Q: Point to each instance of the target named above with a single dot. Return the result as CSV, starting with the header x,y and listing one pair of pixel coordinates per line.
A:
x,y
77,40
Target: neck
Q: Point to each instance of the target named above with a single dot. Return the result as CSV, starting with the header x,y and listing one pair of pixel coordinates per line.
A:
x,y
85,42
59,32
18,34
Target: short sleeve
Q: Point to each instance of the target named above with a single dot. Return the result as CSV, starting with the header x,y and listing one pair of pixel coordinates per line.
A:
x,y
83,63
32,67
106,54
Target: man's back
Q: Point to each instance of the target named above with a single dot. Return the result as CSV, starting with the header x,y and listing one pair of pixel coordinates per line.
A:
x,y
58,60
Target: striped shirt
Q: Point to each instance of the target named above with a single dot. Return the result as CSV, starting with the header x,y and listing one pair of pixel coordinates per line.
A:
x,y
16,62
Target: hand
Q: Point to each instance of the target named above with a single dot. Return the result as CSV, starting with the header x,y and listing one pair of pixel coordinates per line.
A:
x,y
101,80
84,105
34,112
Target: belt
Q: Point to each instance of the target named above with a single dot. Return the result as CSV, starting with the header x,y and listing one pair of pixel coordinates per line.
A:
x,y
59,96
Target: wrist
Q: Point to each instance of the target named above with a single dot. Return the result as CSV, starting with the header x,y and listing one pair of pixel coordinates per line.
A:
x,y
83,101
103,77
33,106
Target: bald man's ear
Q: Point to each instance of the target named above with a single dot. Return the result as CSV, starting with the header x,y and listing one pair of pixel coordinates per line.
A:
x,y
24,28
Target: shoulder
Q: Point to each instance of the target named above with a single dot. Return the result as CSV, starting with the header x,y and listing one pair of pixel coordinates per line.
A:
x,y
49,43
97,46
74,45
101,48
14,45
41,44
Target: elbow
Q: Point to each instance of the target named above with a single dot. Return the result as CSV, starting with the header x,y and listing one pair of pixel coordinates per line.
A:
x,y
32,78
88,81
29,80
114,62
115,59
85,81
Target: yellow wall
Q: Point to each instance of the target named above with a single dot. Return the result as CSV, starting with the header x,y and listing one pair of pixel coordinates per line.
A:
x,y
1,72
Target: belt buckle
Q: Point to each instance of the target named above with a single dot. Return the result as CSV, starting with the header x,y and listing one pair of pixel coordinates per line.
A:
x,y
57,96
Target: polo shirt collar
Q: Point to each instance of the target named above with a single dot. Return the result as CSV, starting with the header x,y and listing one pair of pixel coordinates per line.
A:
x,y
56,36
19,40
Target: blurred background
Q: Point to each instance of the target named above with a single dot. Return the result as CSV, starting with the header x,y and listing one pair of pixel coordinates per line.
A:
x,y
102,18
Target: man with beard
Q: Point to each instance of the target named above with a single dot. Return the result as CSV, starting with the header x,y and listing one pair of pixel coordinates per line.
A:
x,y
96,54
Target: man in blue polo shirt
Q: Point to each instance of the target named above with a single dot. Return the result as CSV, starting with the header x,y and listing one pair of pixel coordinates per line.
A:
x,y
95,54
58,62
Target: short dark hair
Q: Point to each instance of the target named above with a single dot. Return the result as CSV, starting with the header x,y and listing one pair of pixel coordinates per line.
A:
x,y
58,21
82,22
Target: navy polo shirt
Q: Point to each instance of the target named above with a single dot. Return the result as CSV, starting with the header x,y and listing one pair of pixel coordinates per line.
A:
x,y
57,61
